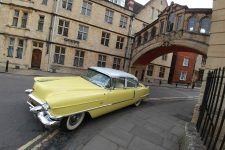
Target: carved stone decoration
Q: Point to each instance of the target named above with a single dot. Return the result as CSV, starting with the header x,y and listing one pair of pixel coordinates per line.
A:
x,y
166,44
72,42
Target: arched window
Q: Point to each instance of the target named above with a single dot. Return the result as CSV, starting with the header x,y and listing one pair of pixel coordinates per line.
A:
x,y
205,25
139,41
146,36
191,26
153,32
170,22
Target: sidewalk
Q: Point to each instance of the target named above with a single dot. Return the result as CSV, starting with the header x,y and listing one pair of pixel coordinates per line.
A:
x,y
31,72
171,85
144,128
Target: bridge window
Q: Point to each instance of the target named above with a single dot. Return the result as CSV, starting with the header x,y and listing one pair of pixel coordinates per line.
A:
x,y
150,70
153,32
179,23
139,41
146,36
205,25
191,24
170,22
161,26
162,72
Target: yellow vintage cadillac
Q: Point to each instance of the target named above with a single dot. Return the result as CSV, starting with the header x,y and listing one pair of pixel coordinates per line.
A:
x,y
66,100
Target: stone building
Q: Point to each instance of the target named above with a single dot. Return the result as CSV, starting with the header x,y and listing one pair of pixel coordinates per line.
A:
x,y
71,35
159,69
215,56
177,29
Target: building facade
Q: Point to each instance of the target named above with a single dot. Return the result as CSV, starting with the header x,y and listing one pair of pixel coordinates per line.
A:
x,y
215,59
158,70
69,35
182,67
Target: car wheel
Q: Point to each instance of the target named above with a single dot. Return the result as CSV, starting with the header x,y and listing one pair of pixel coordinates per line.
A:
x,y
137,103
72,122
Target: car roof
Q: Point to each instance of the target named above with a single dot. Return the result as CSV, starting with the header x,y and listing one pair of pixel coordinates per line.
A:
x,y
113,73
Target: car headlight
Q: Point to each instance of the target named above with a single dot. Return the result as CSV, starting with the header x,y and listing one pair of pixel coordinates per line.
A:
x,y
45,106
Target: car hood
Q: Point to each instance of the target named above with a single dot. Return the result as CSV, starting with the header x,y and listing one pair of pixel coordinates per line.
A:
x,y
48,86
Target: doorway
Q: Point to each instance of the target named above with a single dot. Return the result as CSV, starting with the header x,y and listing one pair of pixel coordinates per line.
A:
x,y
36,59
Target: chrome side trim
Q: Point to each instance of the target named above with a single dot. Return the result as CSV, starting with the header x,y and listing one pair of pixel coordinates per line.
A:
x,y
121,101
36,99
59,117
145,95
56,118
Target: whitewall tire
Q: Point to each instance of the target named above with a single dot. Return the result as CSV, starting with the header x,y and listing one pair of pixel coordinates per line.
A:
x,y
72,122
137,103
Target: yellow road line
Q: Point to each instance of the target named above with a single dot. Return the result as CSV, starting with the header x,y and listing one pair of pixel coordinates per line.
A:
x,y
45,140
32,141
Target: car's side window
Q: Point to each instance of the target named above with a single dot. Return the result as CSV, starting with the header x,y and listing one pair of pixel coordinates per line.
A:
x,y
118,83
131,83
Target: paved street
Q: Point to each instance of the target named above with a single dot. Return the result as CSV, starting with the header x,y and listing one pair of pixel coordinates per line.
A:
x,y
156,124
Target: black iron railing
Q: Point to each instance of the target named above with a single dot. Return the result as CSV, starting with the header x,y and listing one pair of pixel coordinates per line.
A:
x,y
211,124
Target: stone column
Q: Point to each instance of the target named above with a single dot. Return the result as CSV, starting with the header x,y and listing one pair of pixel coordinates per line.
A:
x,y
216,49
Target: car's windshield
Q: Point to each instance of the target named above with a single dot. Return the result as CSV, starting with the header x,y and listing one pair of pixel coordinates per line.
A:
x,y
97,78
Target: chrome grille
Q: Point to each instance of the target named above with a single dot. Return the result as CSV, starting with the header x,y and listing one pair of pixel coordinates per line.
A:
x,y
33,102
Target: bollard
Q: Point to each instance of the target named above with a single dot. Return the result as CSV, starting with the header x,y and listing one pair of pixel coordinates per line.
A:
x,y
193,85
7,66
160,82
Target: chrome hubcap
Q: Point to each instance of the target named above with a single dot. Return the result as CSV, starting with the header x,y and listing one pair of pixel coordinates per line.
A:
x,y
74,119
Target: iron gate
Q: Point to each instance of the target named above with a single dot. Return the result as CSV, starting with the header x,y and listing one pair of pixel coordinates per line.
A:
x,y
210,124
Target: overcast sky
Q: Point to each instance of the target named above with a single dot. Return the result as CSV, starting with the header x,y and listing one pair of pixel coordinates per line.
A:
x,y
189,3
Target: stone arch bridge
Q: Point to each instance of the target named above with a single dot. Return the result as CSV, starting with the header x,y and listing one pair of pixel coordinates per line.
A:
x,y
178,28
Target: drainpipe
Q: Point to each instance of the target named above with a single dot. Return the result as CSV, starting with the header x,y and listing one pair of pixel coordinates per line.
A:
x,y
52,32
129,47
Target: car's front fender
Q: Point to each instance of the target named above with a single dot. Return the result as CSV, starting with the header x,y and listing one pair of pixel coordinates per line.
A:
x,y
68,103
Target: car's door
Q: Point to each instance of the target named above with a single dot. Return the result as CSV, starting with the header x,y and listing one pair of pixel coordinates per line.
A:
x,y
141,92
120,95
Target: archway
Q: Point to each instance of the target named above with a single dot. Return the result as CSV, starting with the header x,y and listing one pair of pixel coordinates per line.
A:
x,y
145,57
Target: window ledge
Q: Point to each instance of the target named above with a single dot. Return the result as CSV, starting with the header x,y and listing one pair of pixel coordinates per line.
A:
x,y
30,1
11,26
67,66
40,30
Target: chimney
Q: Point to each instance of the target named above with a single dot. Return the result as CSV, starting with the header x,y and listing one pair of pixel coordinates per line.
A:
x,y
130,4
